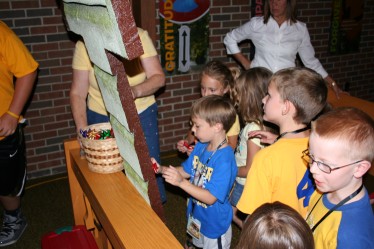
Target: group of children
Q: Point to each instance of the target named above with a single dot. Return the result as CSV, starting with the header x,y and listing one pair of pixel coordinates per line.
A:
x,y
314,166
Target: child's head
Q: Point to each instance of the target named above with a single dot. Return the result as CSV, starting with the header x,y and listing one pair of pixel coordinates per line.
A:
x,y
276,226
247,94
216,79
213,110
341,137
302,88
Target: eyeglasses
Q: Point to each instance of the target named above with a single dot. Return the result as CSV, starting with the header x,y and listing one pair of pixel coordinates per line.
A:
x,y
323,166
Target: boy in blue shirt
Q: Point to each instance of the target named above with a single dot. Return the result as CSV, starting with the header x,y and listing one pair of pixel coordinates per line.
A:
x,y
341,149
208,174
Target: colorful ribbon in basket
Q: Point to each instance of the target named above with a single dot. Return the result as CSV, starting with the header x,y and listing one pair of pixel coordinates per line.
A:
x,y
97,134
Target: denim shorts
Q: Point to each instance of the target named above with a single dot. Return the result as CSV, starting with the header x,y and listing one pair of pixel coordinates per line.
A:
x,y
236,193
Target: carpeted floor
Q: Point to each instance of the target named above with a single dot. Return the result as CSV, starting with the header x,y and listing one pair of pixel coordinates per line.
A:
x,y
47,206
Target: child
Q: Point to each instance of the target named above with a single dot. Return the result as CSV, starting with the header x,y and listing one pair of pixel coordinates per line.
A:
x,y
211,170
278,173
216,79
341,149
275,225
247,94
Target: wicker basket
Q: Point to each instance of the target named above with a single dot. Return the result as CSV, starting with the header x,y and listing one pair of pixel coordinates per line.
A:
x,y
102,155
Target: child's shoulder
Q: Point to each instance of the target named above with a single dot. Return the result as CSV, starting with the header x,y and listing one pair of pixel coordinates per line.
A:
x,y
283,149
226,152
225,156
252,126
290,143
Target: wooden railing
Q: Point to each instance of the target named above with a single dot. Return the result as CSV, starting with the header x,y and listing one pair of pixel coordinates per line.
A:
x,y
111,207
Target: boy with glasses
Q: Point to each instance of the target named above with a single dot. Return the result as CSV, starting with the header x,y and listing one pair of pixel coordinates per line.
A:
x,y
341,149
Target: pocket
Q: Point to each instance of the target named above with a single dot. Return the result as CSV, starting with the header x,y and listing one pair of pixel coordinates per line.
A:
x,y
9,146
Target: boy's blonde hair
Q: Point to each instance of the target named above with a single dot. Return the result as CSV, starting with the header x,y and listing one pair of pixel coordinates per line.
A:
x,y
215,109
305,89
351,127
249,90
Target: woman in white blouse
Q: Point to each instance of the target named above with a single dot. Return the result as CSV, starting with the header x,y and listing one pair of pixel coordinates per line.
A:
x,y
278,37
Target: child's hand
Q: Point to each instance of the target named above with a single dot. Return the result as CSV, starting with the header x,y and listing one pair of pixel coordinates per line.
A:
x,y
184,147
156,167
265,137
172,176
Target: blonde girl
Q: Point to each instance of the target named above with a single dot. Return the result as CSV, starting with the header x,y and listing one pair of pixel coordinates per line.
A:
x,y
216,79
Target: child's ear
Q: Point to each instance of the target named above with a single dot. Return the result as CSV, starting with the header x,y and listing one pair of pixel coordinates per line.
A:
x,y
218,126
287,107
361,169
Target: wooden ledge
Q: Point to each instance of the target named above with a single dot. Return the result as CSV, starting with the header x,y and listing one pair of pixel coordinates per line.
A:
x,y
126,218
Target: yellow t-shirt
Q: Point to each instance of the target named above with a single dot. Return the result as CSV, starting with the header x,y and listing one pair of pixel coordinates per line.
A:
x,y
134,71
15,61
277,172
235,128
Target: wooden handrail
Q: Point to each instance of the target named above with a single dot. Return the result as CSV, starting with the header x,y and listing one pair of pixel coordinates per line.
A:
x,y
126,218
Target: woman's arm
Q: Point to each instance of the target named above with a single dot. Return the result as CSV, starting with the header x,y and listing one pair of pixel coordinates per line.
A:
x,y
243,60
155,78
78,96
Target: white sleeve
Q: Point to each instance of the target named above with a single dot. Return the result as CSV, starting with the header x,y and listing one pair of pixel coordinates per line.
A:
x,y
237,35
307,54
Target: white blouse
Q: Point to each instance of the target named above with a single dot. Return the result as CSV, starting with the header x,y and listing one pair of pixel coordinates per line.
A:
x,y
276,47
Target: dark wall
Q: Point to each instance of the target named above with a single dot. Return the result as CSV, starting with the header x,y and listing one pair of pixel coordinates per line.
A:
x,y
39,24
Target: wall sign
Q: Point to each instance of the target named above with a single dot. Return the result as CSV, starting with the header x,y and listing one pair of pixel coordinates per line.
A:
x,y
346,26
184,34
257,8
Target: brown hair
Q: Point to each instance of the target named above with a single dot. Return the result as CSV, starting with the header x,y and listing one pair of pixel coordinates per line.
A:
x,y
275,226
249,89
304,88
215,109
291,12
352,127
222,73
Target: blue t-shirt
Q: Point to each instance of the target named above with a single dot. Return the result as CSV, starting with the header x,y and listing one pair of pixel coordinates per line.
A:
x,y
218,178
349,226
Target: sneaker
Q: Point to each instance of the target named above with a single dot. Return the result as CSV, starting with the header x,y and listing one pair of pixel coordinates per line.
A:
x,y
13,228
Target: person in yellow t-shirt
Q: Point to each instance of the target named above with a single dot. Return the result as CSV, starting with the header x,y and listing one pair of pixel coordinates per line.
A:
x,y
17,63
278,173
145,76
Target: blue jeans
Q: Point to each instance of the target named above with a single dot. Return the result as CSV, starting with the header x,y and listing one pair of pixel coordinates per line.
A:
x,y
148,121
236,193
96,118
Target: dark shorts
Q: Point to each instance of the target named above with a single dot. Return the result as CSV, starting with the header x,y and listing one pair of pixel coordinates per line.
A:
x,y
12,164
